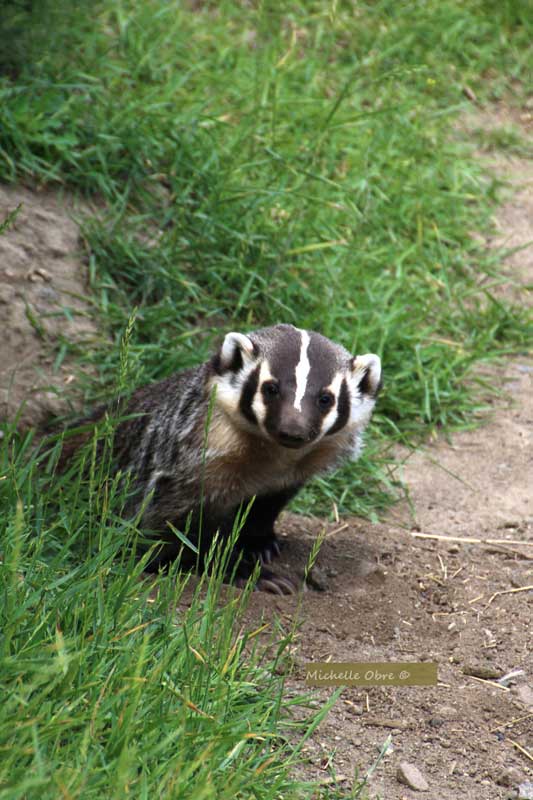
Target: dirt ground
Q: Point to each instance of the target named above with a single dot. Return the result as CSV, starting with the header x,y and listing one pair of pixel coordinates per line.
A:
x,y
465,601
42,303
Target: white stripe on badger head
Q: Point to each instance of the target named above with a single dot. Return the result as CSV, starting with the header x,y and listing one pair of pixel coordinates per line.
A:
x,y
258,403
303,369
331,417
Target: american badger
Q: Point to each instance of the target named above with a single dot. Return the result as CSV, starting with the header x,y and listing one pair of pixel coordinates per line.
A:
x,y
285,403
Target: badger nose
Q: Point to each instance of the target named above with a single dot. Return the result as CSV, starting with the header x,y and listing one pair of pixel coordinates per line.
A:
x,y
291,439
292,431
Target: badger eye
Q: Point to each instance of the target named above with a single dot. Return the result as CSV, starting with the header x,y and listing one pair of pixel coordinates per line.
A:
x,y
325,401
270,389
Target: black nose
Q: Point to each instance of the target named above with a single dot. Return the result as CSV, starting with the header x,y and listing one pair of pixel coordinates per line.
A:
x,y
291,439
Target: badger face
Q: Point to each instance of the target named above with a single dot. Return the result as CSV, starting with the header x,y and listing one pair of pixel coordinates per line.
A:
x,y
294,387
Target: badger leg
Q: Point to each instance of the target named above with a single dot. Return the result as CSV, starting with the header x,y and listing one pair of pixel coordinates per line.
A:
x,y
257,537
257,541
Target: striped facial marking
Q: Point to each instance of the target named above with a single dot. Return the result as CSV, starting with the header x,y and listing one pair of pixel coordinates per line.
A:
x,y
258,406
337,417
294,386
301,405
303,368
248,394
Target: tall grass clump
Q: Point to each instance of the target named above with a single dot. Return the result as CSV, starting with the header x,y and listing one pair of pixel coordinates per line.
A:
x,y
114,685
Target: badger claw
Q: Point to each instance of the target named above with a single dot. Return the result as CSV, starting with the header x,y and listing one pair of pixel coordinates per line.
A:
x,y
264,585
268,582
275,584
266,552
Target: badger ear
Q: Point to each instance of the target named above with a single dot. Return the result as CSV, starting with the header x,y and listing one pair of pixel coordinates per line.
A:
x,y
236,351
366,371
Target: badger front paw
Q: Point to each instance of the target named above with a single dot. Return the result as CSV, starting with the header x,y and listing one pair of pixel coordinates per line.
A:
x,y
267,581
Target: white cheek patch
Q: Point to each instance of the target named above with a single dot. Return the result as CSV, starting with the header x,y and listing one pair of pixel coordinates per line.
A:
x,y
361,405
331,417
303,369
258,405
229,389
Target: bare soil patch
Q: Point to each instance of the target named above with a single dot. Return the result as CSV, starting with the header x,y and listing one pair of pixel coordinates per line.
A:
x,y
42,302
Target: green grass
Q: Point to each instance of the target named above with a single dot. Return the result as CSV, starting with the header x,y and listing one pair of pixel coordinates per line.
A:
x,y
116,685
291,162
252,164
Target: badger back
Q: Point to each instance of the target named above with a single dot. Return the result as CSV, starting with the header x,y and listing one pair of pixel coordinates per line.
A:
x,y
294,387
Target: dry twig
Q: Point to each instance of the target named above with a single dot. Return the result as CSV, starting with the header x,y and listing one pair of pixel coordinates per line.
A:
x,y
522,749
468,539
491,683
509,591
511,723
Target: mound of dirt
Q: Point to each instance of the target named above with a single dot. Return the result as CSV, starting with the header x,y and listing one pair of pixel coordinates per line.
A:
x,y
42,303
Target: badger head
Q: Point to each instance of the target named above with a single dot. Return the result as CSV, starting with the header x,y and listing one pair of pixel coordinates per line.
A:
x,y
294,387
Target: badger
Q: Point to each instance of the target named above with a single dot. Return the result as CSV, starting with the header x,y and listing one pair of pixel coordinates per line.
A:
x,y
282,405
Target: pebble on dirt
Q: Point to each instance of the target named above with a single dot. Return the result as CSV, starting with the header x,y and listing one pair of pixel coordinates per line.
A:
x,y
525,695
485,671
525,791
412,777
506,776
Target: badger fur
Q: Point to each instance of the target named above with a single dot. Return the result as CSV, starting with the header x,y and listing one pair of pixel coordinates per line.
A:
x,y
285,404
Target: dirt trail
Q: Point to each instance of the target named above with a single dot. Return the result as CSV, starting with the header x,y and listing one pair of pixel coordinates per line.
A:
x,y
390,596
43,290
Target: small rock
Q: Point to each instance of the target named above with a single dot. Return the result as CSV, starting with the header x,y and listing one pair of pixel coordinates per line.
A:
x,y
525,695
487,672
446,712
317,580
386,722
412,777
453,548
506,776
436,722
44,274
525,791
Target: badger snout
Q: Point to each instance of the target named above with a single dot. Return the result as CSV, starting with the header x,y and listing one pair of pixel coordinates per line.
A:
x,y
293,432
